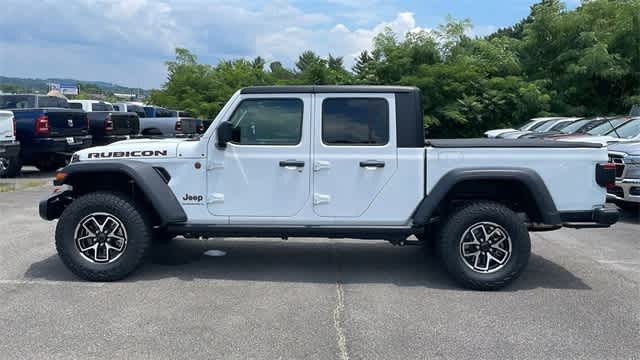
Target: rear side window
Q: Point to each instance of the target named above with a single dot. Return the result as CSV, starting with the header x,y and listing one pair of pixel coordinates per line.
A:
x,y
75,106
116,107
355,121
267,122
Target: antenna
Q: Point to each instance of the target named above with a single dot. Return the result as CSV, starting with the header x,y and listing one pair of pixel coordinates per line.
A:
x,y
614,128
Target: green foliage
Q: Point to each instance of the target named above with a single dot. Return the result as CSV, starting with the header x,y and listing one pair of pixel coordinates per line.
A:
x,y
580,62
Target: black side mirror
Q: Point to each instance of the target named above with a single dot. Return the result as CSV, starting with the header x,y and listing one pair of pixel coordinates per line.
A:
x,y
224,134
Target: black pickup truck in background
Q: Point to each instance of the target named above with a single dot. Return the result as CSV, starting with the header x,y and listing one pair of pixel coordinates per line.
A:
x,y
105,124
49,132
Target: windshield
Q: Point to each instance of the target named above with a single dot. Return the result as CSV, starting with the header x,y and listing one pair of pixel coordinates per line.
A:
x,y
629,130
561,125
548,125
606,126
575,126
539,124
526,125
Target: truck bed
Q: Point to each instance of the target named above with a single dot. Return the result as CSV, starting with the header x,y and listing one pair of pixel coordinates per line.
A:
x,y
506,143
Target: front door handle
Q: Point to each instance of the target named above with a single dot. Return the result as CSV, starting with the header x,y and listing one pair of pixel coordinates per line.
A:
x,y
372,164
291,163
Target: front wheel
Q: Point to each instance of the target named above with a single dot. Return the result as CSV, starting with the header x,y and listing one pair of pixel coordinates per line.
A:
x,y
484,246
103,236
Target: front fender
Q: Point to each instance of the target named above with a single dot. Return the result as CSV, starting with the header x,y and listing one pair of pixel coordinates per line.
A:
x,y
153,185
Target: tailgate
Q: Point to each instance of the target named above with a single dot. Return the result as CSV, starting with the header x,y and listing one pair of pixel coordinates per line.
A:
x,y
67,122
125,123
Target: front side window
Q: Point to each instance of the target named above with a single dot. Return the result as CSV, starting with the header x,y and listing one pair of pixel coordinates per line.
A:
x,y
267,122
355,121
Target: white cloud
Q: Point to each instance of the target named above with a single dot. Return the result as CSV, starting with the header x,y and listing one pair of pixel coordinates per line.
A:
x,y
338,40
126,41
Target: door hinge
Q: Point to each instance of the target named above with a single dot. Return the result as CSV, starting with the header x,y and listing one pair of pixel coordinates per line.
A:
x,y
320,165
215,198
321,199
212,165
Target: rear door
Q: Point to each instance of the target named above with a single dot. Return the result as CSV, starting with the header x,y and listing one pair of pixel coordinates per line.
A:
x,y
354,152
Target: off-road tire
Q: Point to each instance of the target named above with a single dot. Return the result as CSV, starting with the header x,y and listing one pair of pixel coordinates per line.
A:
x,y
12,169
453,229
135,221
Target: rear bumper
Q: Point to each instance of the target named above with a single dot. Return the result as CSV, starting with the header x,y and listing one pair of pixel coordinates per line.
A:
x,y
596,218
9,149
51,208
57,145
627,190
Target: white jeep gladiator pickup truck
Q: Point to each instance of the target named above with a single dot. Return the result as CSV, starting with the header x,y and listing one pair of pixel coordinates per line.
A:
x,y
327,161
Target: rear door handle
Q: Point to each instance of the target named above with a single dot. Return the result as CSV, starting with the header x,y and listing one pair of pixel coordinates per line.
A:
x,y
291,163
372,164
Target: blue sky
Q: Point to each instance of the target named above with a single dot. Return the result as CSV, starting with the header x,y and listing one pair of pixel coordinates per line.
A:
x,y
127,41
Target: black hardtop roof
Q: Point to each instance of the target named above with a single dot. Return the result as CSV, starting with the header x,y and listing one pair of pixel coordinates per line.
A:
x,y
327,89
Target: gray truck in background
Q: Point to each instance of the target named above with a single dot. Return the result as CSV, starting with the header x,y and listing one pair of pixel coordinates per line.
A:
x,y
159,121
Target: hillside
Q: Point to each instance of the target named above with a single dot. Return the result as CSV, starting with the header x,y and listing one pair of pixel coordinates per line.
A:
x,y
15,84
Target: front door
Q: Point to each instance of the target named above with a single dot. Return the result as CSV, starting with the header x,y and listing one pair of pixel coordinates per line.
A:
x,y
354,152
265,170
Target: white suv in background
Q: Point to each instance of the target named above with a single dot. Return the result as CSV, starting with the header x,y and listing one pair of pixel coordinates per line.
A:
x,y
9,147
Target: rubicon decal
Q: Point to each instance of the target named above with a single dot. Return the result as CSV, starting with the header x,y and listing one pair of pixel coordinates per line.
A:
x,y
121,154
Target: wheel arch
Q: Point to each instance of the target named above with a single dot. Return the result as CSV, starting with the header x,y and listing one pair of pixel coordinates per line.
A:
x,y
520,184
127,176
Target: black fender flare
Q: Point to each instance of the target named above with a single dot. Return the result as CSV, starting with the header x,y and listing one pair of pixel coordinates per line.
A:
x,y
527,177
146,178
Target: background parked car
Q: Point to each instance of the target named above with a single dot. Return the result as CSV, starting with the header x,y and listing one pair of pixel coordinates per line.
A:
x,y
105,124
556,129
9,147
541,126
525,127
166,123
130,107
626,156
49,132
628,130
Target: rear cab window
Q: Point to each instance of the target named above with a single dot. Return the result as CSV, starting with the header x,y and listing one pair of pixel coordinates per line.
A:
x,y
101,107
355,121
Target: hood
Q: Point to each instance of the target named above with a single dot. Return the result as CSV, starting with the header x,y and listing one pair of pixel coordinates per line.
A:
x,y
631,148
133,149
514,134
494,133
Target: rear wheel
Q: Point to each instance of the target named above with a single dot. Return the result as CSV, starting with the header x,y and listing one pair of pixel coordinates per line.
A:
x,y
10,167
484,246
103,236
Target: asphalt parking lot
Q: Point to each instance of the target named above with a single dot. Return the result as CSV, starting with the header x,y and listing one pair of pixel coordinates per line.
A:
x,y
315,299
